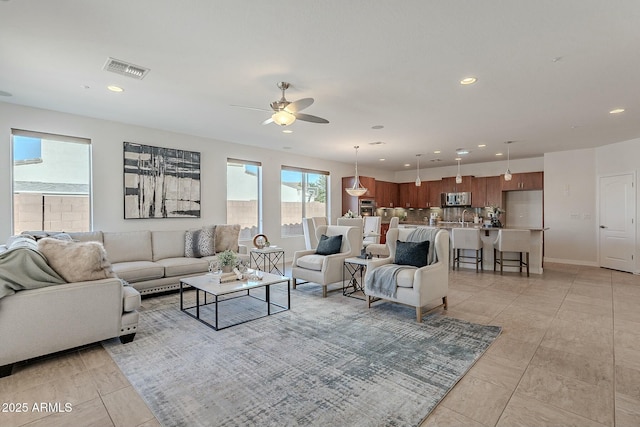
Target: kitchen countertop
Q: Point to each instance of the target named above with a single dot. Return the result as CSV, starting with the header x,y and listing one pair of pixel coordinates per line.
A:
x,y
450,225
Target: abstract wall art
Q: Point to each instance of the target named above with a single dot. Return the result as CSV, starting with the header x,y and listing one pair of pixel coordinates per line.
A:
x,y
160,182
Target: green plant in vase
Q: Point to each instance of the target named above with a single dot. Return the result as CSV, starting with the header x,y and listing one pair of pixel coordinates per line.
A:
x,y
227,260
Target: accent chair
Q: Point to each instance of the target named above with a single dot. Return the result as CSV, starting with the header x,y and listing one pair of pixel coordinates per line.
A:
x,y
414,287
326,269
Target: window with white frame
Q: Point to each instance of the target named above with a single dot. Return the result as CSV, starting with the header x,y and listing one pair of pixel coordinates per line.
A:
x,y
303,194
243,196
51,182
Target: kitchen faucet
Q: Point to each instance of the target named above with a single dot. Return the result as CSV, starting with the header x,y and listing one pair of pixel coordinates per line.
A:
x,y
462,217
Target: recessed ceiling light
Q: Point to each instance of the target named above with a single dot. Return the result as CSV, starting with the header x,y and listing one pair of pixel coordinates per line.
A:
x,y
382,160
457,158
114,88
436,152
468,81
557,59
3,93
287,131
617,111
406,165
499,154
462,151
377,127
482,145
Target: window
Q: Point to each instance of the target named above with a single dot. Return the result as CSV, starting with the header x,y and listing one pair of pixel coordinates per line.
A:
x,y
51,182
303,194
243,197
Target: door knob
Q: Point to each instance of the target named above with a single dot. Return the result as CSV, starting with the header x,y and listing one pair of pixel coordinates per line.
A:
x,y
603,226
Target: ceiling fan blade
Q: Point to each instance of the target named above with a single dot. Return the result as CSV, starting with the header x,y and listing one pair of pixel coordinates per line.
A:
x,y
269,120
310,118
299,105
250,108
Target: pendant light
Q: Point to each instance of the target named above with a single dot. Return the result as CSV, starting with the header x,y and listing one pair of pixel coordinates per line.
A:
x,y
418,182
357,190
458,176
507,174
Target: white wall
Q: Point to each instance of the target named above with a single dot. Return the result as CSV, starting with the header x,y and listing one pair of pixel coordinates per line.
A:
x,y
571,199
107,144
570,207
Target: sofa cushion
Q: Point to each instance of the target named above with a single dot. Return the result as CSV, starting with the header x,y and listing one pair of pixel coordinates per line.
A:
x,y
128,246
412,253
130,299
329,245
138,271
200,242
181,266
404,279
167,244
76,261
226,237
311,262
87,236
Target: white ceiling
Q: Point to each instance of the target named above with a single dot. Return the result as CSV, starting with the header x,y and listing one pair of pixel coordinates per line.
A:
x,y
548,71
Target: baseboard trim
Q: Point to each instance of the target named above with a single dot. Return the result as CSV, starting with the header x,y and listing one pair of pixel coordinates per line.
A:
x,y
571,262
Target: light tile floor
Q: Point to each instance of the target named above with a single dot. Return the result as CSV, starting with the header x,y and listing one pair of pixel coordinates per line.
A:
x,y
569,355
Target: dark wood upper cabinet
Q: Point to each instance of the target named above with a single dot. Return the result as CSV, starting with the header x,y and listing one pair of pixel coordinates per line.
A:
x,y
449,184
493,194
386,194
479,192
435,189
524,181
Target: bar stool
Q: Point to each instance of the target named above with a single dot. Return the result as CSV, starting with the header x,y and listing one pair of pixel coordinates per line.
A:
x,y
466,238
512,241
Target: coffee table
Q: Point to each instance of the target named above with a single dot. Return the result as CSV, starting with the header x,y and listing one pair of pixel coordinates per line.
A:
x,y
242,288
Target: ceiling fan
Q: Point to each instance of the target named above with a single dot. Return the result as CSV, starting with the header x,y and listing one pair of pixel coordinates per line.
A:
x,y
285,112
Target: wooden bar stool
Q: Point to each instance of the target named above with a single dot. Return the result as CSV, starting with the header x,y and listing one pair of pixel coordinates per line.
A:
x,y
466,238
512,241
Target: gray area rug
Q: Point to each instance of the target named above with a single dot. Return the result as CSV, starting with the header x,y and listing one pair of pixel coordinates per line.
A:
x,y
327,361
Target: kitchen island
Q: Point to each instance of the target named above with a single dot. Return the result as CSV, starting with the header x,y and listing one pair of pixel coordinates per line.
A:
x,y
489,235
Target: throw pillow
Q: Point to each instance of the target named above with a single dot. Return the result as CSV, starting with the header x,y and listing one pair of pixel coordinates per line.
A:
x,y
412,253
227,237
329,245
199,243
76,261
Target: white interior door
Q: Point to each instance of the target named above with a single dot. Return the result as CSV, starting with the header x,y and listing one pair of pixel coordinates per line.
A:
x,y
617,225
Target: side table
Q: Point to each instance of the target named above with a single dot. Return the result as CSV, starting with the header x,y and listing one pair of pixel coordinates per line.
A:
x,y
353,280
267,259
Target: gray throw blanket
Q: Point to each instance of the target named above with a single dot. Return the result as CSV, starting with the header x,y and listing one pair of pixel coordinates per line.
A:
x,y
23,268
383,279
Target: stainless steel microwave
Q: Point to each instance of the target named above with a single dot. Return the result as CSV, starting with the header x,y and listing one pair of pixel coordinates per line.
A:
x,y
456,199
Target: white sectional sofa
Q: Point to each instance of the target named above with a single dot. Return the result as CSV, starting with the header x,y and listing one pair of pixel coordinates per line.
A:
x,y
37,322
154,261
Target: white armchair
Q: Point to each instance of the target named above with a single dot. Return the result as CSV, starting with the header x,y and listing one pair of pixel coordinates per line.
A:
x,y
415,287
381,250
326,269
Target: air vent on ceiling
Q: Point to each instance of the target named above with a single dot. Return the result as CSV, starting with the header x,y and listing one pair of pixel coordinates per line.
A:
x,y
126,69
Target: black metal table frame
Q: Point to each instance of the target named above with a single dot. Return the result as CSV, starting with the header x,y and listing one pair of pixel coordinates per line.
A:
x,y
268,259
217,300
353,269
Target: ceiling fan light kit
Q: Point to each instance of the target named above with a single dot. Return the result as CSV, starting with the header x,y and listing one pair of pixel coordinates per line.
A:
x,y
357,190
283,118
286,113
